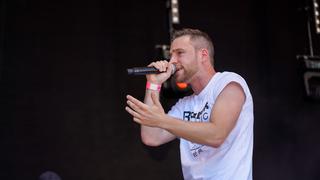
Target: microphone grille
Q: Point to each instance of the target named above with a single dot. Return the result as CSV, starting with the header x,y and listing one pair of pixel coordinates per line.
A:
x,y
130,71
173,69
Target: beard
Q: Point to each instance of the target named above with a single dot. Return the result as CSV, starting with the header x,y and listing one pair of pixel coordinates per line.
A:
x,y
184,76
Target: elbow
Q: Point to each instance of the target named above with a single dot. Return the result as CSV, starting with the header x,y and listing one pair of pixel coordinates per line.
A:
x,y
149,141
216,143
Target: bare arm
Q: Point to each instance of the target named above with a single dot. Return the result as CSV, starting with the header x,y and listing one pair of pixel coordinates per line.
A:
x,y
223,118
154,136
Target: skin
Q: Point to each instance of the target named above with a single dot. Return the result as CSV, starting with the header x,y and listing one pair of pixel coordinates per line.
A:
x,y
194,67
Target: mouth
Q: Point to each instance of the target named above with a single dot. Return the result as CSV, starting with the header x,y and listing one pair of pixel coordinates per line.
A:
x,y
178,67
178,72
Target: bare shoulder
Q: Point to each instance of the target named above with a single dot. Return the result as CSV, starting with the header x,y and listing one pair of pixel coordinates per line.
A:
x,y
232,93
234,88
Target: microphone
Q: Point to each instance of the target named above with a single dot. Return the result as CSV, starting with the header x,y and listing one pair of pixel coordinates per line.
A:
x,y
147,70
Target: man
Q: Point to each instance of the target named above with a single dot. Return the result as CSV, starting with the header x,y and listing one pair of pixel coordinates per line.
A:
x,y
215,124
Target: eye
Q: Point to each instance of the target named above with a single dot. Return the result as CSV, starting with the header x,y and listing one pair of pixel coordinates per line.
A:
x,y
180,52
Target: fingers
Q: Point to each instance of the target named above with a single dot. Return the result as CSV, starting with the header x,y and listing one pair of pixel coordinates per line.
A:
x,y
134,107
136,102
144,114
133,113
160,65
137,120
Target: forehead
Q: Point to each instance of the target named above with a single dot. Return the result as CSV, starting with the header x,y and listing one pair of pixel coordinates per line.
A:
x,y
182,42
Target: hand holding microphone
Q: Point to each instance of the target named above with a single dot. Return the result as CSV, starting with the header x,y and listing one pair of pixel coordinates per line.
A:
x,y
147,70
156,72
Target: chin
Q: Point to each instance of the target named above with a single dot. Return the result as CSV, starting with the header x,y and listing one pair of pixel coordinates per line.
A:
x,y
179,79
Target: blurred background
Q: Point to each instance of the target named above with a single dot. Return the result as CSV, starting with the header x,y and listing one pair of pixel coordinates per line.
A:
x,y
64,81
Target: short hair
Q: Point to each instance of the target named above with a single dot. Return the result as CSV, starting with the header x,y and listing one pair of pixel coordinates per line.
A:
x,y
196,34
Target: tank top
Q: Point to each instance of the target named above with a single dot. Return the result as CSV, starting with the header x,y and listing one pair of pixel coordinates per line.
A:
x,y
232,159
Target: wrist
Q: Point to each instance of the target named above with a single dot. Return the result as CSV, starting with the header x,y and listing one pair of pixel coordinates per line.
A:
x,y
153,86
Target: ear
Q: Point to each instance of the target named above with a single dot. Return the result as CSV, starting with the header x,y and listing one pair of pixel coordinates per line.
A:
x,y
204,54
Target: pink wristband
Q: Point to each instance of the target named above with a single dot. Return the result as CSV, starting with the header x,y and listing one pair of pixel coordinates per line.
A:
x,y
152,86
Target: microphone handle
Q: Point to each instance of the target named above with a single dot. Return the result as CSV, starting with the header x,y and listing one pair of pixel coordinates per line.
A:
x,y
143,70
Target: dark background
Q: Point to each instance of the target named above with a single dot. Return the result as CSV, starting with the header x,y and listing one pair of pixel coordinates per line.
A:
x,y
63,85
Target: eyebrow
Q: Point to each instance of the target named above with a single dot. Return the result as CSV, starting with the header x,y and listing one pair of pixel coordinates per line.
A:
x,y
175,50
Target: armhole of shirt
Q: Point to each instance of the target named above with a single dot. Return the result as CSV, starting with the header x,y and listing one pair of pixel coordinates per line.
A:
x,y
227,79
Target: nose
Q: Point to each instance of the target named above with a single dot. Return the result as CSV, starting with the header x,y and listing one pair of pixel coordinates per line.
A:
x,y
173,60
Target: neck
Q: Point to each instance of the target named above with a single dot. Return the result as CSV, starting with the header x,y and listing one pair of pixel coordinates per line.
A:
x,y
201,79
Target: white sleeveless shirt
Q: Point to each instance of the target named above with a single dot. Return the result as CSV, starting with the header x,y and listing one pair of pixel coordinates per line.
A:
x,y
233,159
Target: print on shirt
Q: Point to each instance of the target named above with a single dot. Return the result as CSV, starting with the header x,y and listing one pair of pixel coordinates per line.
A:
x,y
201,116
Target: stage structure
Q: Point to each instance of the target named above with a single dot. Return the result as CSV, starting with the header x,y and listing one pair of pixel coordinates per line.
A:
x,y
311,61
171,89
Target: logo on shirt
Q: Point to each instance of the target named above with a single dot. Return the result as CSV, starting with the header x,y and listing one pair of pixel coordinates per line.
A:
x,y
201,116
197,116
